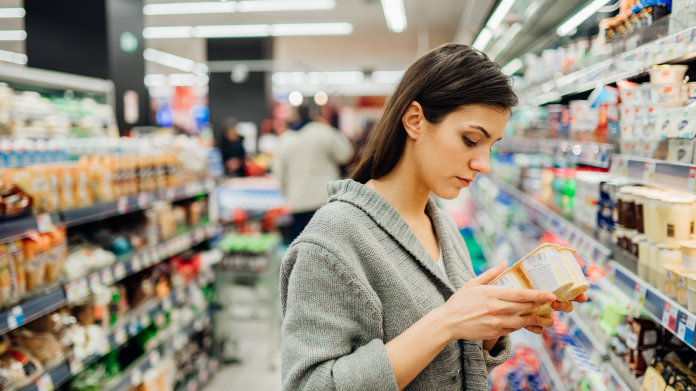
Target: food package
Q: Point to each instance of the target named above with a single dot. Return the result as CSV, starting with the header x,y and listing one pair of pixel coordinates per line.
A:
x,y
48,323
543,269
83,192
13,200
18,278
18,364
66,177
58,253
54,190
33,182
5,287
580,283
37,250
43,346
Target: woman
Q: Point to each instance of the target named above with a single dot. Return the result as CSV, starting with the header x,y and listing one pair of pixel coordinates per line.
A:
x,y
378,293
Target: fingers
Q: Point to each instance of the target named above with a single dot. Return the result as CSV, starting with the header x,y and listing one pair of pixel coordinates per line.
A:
x,y
544,322
522,295
562,306
488,276
499,307
580,299
535,329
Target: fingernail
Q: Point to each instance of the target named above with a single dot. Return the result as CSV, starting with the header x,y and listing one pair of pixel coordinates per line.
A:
x,y
550,297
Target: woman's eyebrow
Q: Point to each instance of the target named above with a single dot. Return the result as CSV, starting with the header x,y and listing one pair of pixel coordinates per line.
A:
x,y
485,132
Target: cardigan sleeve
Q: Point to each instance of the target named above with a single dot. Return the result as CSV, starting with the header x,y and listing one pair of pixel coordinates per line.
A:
x,y
501,353
331,333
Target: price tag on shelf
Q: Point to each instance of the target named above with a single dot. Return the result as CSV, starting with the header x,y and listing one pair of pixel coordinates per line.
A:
x,y
122,204
639,294
145,321
681,326
691,182
144,200
649,172
136,376
690,326
120,271
120,335
76,366
71,292
44,222
673,317
45,383
154,358
15,317
107,276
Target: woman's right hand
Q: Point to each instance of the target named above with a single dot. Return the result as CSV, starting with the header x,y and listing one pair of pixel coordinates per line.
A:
x,y
483,312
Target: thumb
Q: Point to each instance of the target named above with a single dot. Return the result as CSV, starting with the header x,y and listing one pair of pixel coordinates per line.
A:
x,y
487,276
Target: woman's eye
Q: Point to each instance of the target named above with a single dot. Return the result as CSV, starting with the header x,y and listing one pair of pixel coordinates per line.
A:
x,y
468,142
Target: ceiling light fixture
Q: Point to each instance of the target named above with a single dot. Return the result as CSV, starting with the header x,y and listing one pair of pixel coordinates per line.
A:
x,y
318,78
483,39
321,98
13,35
155,80
284,5
505,40
17,58
15,12
395,13
295,98
211,7
168,32
170,60
499,14
215,7
249,30
512,67
577,19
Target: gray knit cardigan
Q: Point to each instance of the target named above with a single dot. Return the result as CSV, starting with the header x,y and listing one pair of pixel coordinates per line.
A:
x,y
355,279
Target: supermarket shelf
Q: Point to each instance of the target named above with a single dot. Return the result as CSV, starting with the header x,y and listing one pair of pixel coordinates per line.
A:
x,y
598,352
73,291
626,65
518,248
653,172
547,363
21,227
127,204
57,80
587,153
80,288
588,247
486,249
200,379
665,311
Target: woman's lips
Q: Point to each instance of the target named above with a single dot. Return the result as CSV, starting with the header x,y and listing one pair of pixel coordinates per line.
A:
x,y
464,182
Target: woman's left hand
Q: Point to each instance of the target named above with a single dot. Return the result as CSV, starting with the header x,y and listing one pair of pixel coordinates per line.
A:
x,y
544,322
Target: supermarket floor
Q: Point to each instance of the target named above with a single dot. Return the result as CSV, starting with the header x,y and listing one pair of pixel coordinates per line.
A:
x,y
258,369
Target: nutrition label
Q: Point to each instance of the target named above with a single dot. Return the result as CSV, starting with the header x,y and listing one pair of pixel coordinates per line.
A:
x,y
506,281
539,268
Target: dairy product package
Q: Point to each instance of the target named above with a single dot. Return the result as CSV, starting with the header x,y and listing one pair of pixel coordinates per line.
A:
x,y
580,284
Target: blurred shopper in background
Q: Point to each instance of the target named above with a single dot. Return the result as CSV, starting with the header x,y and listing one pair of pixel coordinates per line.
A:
x,y
305,161
232,147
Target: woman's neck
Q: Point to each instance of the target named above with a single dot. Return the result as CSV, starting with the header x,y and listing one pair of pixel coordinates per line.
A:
x,y
403,190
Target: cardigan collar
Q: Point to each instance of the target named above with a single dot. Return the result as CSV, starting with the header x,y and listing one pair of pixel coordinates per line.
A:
x,y
384,214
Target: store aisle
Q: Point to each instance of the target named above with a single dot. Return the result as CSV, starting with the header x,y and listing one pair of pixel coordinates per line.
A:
x,y
253,372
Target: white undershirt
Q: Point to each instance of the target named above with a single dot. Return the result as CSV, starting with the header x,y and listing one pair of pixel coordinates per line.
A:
x,y
441,262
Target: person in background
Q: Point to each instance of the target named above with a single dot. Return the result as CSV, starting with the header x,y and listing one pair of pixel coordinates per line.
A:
x,y
305,161
232,148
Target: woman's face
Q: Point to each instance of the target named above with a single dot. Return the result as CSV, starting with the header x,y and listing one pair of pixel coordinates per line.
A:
x,y
450,154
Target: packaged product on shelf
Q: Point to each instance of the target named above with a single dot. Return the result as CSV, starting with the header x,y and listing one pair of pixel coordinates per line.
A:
x,y
32,182
43,346
66,179
37,249
19,364
13,201
58,254
18,278
5,287
83,191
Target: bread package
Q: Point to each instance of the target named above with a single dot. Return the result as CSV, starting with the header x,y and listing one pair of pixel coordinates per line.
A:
x,y
18,278
37,251
58,253
5,287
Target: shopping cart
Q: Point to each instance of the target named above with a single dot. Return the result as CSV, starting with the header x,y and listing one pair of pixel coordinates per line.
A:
x,y
247,292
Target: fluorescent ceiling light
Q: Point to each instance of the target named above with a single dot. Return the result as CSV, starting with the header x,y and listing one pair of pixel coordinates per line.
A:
x,y
240,30
505,40
174,61
499,14
212,7
284,5
386,77
395,13
249,30
155,80
580,17
512,67
482,40
15,12
318,78
13,35
168,32
311,29
17,58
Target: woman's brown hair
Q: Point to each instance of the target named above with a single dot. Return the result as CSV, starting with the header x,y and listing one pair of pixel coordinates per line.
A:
x,y
441,81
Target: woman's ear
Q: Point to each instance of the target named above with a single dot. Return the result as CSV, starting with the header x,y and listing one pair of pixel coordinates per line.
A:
x,y
413,119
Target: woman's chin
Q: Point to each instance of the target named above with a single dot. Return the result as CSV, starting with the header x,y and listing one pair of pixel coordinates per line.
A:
x,y
448,193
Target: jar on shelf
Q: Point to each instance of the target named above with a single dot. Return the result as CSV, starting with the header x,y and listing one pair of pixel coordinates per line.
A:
x,y
667,256
654,259
679,217
643,256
